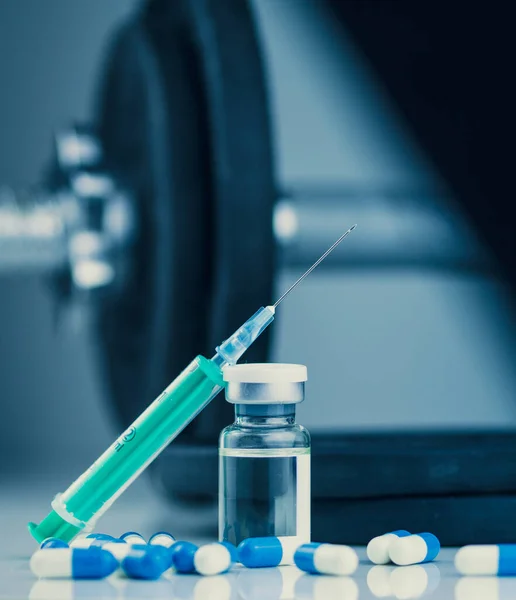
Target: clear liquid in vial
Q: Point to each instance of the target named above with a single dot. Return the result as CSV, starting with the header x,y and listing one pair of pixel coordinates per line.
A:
x,y
264,493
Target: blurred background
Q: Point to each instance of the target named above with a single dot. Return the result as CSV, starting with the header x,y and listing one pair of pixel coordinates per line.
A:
x,y
385,114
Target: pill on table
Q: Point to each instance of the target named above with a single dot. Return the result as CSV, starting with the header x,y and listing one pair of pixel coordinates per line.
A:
x,y
486,559
216,558
326,559
162,538
53,542
183,556
99,536
118,548
77,563
96,540
267,551
378,548
132,537
147,562
414,549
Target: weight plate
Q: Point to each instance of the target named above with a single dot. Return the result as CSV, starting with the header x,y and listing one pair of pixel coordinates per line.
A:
x,y
150,120
244,192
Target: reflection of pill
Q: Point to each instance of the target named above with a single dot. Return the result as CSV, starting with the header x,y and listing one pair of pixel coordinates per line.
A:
x,y
414,549
215,558
217,587
486,560
267,551
275,583
147,562
326,559
162,538
69,589
414,581
378,547
324,587
77,563
53,542
379,582
477,588
183,556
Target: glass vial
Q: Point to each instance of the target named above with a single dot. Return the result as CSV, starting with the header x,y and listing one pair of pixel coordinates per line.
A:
x,y
264,456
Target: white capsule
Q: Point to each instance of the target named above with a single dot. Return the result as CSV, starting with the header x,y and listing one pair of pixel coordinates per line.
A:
x,y
213,559
378,548
478,560
326,559
414,549
118,548
77,563
131,537
78,541
162,538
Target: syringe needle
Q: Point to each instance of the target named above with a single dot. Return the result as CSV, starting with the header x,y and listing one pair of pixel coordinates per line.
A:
x,y
315,265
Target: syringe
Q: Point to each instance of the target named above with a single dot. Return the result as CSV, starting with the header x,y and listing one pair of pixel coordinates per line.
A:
x,y
87,499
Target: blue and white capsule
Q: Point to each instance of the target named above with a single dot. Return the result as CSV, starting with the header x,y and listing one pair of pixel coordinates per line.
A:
x,y
75,563
183,556
378,548
216,558
132,537
162,538
414,549
146,561
486,559
267,551
326,559
92,539
53,542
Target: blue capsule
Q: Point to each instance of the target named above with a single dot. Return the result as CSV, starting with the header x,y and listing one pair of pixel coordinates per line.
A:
x,y
414,549
216,558
183,556
326,559
267,551
53,542
99,536
162,538
147,562
486,559
132,537
378,548
75,563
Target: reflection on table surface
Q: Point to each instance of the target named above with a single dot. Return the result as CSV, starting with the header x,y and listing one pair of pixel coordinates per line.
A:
x,y
434,580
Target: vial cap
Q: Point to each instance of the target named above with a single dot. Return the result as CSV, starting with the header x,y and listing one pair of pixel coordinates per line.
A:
x,y
265,373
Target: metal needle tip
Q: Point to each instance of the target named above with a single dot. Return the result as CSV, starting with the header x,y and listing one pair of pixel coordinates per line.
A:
x,y
316,264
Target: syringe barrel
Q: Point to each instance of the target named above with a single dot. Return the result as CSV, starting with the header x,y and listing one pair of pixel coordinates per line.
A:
x,y
79,507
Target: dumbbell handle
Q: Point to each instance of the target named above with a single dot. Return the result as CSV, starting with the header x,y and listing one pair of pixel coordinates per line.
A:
x,y
408,231
32,232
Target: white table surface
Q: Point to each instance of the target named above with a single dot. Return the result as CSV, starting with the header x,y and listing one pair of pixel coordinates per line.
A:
x,y
139,509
